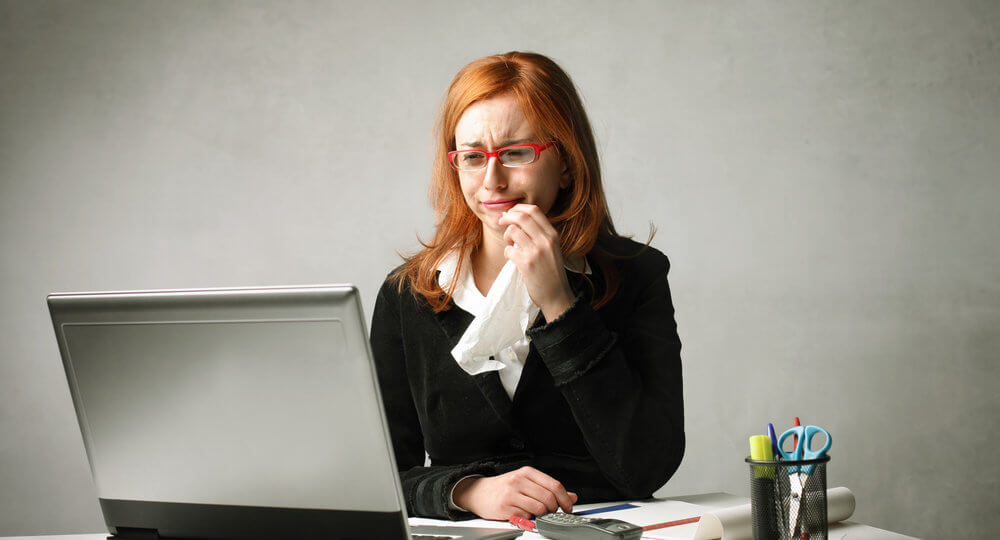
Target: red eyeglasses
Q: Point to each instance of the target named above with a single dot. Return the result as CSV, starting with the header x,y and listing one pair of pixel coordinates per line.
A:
x,y
517,155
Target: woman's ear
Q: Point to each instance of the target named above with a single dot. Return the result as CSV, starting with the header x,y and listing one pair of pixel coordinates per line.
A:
x,y
564,177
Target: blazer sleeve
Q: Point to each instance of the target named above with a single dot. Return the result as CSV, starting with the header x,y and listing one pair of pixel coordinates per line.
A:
x,y
624,390
426,490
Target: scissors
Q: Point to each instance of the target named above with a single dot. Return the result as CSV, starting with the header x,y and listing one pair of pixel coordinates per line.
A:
x,y
798,475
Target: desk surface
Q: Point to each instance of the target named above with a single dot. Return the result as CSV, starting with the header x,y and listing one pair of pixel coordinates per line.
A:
x,y
845,530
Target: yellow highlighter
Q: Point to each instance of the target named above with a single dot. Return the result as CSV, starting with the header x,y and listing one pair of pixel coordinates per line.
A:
x,y
764,502
760,450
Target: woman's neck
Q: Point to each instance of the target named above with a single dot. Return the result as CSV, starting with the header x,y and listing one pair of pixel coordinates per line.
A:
x,y
487,260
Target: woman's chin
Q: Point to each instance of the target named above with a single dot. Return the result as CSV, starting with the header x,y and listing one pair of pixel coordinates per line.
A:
x,y
493,230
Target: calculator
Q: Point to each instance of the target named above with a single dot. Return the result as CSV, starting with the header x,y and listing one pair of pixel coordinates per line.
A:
x,y
560,526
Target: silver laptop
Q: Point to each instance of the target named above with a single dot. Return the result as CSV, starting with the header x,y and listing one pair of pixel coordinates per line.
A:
x,y
247,413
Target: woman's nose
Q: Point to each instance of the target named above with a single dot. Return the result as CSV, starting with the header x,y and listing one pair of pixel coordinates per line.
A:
x,y
495,176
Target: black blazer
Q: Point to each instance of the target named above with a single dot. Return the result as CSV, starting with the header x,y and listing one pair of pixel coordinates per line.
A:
x,y
599,405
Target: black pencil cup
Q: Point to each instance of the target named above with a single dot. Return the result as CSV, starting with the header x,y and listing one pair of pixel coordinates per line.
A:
x,y
779,512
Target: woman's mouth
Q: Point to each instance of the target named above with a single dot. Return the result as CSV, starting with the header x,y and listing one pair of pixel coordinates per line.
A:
x,y
500,204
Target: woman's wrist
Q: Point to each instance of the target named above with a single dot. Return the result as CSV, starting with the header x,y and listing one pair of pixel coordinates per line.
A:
x,y
552,310
460,492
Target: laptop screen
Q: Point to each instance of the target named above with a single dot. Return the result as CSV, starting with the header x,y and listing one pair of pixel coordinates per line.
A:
x,y
205,405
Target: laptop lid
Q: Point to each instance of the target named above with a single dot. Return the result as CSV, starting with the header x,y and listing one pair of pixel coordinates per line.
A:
x,y
231,413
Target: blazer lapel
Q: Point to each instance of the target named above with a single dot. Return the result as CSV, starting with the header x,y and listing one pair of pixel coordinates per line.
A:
x,y
453,323
489,384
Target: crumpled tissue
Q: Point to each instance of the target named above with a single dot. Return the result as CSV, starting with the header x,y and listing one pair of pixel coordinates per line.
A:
x,y
488,343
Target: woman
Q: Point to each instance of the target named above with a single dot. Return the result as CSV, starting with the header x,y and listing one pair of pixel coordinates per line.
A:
x,y
529,349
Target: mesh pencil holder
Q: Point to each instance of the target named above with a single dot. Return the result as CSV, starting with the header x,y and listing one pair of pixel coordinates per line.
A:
x,y
779,511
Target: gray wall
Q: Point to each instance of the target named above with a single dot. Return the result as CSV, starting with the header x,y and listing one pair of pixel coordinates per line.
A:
x,y
823,176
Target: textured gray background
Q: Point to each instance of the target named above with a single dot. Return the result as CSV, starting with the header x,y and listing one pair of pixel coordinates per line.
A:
x,y
824,176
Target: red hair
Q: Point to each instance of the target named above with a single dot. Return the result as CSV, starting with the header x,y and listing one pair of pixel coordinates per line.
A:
x,y
554,111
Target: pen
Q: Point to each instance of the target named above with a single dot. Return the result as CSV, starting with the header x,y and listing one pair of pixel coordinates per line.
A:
x,y
795,438
521,523
774,440
664,525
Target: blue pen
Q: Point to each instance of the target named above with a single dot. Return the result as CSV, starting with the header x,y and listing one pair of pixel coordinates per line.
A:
x,y
774,440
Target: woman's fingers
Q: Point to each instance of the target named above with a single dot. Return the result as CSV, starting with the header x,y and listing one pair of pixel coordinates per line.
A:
x,y
531,505
527,218
516,235
526,233
553,487
537,217
540,494
526,492
515,511
538,258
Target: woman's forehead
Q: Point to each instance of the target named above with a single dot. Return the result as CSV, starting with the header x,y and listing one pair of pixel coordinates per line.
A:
x,y
497,119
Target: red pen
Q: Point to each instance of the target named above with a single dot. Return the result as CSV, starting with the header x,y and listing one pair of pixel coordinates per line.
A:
x,y
521,523
795,438
671,523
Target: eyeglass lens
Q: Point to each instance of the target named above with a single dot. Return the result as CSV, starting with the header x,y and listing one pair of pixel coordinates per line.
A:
x,y
472,159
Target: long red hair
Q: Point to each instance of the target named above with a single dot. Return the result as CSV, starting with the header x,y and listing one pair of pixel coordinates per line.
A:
x,y
554,110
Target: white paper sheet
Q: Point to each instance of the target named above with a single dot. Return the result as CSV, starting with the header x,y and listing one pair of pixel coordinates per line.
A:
x,y
644,513
651,513
732,523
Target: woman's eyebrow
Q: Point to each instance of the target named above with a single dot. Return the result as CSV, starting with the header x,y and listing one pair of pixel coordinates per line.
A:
x,y
510,142
507,142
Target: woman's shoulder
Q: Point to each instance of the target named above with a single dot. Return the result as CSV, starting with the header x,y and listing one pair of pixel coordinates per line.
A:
x,y
395,285
635,257
398,288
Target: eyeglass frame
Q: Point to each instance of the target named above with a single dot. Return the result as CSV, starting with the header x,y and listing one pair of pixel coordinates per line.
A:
x,y
538,148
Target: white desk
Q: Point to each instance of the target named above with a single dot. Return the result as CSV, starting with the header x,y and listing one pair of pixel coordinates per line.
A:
x,y
845,530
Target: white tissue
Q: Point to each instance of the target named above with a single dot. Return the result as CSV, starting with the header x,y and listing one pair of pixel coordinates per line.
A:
x,y
488,343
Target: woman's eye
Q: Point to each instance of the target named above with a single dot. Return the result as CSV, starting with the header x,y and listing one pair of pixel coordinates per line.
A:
x,y
518,155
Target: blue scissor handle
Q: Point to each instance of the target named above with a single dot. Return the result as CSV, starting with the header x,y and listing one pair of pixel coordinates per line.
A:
x,y
803,449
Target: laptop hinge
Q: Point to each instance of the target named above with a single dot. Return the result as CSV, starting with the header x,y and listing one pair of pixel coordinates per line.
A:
x,y
130,533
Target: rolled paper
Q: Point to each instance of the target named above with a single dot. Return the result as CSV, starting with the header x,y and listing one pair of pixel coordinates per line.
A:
x,y
736,522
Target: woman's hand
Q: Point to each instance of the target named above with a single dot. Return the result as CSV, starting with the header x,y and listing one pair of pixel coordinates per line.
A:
x,y
538,258
526,492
